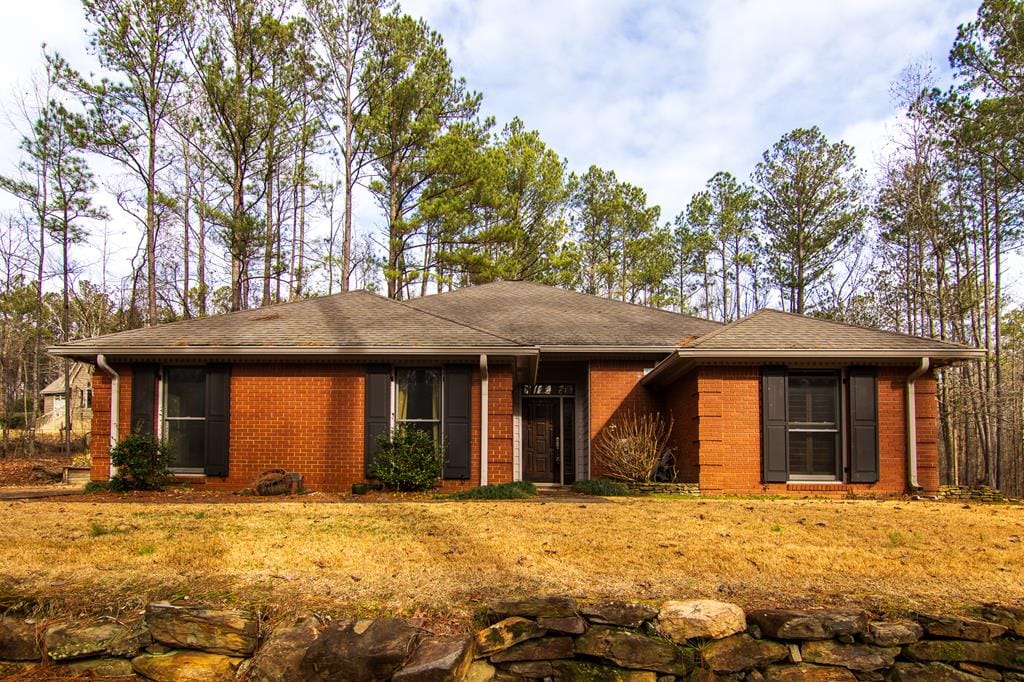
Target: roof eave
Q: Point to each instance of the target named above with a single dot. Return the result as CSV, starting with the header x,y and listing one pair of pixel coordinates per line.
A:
x,y
284,351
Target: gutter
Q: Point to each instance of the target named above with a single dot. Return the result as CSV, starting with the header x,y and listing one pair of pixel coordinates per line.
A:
x,y
115,403
483,419
287,351
912,423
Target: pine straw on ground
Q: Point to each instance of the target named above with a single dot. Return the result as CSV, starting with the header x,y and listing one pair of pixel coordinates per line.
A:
x,y
441,560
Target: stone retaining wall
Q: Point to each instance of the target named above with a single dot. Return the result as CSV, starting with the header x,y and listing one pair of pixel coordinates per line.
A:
x,y
549,638
977,493
670,488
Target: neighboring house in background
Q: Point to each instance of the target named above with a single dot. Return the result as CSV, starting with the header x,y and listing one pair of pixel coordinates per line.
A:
x,y
53,395
519,380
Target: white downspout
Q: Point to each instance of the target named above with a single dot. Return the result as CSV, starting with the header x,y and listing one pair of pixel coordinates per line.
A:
x,y
912,423
115,403
483,420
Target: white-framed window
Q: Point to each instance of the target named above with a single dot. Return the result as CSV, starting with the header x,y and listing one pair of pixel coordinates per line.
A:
x,y
814,425
184,416
418,396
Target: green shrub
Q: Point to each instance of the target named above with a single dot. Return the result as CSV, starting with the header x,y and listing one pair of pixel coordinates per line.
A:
x,y
603,487
141,462
519,490
96,487
407,460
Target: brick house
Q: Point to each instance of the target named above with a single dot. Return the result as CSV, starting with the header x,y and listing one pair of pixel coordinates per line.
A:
x,y
519,381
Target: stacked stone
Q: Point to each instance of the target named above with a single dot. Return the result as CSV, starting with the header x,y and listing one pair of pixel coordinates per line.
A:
x,y
540,638
978,493
666,488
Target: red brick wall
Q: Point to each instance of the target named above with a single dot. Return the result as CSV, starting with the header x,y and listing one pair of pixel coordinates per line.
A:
x,y
308,418
681,405
729,432
615,391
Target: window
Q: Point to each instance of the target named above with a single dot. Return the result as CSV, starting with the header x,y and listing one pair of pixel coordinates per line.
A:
x,y
185,416
813,425
418,399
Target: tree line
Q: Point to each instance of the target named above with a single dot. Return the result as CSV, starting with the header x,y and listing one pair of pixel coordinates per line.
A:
x,y
241,134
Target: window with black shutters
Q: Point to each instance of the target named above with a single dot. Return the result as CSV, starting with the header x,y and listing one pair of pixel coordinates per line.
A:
x,y
185,416
813,425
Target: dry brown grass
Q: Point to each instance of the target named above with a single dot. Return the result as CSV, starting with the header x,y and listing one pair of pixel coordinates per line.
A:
x,y
441,559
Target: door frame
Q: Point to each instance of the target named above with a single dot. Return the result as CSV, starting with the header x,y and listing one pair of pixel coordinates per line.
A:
x,y
560,399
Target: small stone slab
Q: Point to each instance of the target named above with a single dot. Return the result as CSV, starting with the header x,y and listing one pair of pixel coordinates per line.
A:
x,y
534,607
859,657
68,642
893,633
587,670
705,618
480,671
504,634
633,650
281,654
980,671
230,632
808,623
101,667
742,652
952,627
807,673
573,625
18,640
186,666
622,613
438,659
1001,653
541,649
930,672
1010,616
359,650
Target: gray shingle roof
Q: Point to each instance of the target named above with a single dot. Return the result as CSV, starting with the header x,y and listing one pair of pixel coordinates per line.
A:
x,y
547,316
775,330
356,319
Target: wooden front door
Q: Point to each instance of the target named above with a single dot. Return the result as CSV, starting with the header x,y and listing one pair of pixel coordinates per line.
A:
x,y
541,427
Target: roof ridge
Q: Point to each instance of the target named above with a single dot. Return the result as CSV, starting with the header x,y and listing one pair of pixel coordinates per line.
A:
x,y
410,306
726,326
858,326
574,293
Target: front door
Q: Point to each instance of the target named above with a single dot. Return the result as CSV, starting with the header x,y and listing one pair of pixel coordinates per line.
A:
x,y
540,447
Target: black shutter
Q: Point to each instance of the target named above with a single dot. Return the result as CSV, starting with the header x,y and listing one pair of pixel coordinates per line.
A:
x,y
458,387
774,424
863,425
143,399
377,410
218,419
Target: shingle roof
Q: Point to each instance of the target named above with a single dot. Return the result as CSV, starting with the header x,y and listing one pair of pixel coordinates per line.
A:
x,y
775,330
547,316
356,319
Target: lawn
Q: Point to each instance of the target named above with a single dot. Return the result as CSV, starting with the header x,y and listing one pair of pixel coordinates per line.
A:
x,y
440,559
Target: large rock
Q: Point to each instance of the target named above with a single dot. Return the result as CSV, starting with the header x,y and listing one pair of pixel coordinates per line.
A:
x,y
807,673
1010,616
742,652
859,657
930,672
504,634
359,650
101,667
281,654
229,632
572,625
893,633
622,613
1001,653
706,618
542,649
186,666
18,640
438,659
952,627
68,642
633,650
808,623
534,607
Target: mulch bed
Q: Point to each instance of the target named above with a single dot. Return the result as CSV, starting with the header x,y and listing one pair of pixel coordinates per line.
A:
x,y
23,471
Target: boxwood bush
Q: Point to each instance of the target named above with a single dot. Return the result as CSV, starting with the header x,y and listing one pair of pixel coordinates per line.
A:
x,y
407,459
518,490
603,487
141,462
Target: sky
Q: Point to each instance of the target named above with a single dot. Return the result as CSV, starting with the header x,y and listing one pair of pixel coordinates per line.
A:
x,y
663,92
